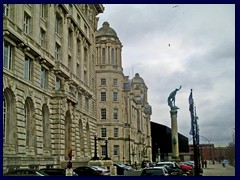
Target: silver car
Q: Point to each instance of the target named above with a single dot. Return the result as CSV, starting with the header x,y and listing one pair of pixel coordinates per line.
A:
x,y
154,171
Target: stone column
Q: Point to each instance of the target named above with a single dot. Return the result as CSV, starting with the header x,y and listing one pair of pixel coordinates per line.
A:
x,y
175,147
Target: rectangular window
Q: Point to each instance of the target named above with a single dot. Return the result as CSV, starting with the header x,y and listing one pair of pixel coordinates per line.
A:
x,y
115,132
115,113
58,83
78,19
43,78
78,48
6,10
42,11
103,56
103,132
86,30
57,52
112,56
103,96
86,104
85,76
26,23
115,96
58,24
7,56
70,63
71,9
103,81
79,100
115,150
70,38
103,113
42,38
115,82
103,150
27,68
4,119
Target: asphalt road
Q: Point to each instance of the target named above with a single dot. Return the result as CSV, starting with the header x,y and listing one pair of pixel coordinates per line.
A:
x,y
218,170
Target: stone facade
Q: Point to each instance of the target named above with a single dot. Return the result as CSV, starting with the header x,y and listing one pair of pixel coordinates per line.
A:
x,y
51,89
123,112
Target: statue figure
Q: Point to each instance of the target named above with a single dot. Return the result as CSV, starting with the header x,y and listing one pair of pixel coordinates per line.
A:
x,y
171,99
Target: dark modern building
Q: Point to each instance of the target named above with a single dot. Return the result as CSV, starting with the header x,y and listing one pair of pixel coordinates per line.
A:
x,y
162,144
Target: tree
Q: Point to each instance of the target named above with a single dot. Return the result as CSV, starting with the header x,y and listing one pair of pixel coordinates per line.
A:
x,y
231,149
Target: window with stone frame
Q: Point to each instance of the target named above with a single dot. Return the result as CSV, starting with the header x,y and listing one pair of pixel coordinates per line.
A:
x,y
86,104
70,63
57,83
57,52
30,123
112,56
103,56
5,109
115,132
70,38
43,11
44,78
9,117
6,10
28,65
103,113
103,81
103,147
115,82
26,23
58,24
7,56
115,113
115,96
103,96
78,20
42,38
115,150
46,127
103,132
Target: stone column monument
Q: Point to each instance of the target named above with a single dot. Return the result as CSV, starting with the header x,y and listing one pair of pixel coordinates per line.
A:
x,y
173,113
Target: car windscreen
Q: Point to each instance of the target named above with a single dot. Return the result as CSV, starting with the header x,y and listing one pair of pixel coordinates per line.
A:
x,y
152,172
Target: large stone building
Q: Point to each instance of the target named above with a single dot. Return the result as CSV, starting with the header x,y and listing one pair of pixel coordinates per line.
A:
x,y
53,86
123,112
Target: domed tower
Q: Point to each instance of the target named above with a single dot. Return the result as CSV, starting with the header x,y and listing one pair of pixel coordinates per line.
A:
x,y
109,85
109,49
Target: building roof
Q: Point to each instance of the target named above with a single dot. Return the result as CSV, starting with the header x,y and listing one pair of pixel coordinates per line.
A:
x,y
137,79
106,30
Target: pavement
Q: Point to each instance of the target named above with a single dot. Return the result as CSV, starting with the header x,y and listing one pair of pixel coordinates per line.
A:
x,y
218,170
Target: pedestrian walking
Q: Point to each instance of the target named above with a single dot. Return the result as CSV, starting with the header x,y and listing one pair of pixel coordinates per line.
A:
x,y
205,163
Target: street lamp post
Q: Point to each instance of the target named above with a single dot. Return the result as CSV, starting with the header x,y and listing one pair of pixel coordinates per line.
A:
x,y
159,155
95,157
106,144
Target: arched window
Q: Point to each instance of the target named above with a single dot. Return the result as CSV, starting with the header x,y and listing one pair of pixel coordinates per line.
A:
x,y
81,137
30,123
9,118
88,140
68,133
46,127
112,56
103,56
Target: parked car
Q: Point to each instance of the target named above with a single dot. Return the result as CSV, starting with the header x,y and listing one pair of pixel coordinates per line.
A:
x,y
23,172
54,172
122,167
173,168
186,169
91,171
188,163
154,171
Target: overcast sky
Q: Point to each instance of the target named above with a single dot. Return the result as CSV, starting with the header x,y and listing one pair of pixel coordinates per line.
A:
x,y
201,56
